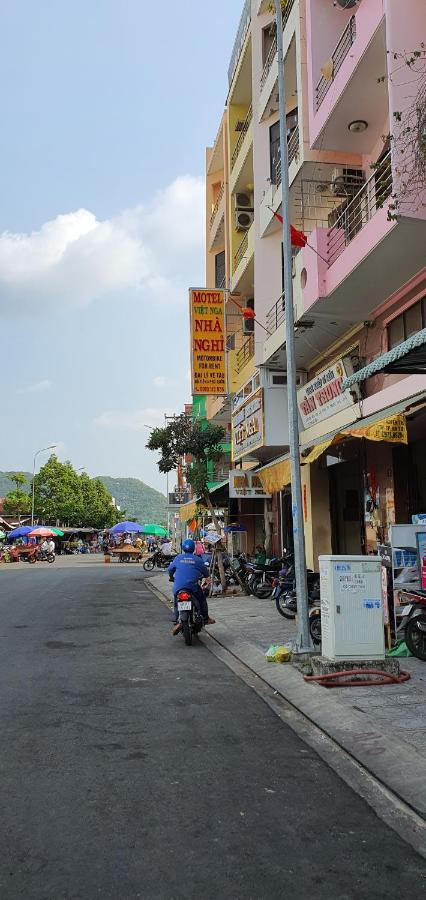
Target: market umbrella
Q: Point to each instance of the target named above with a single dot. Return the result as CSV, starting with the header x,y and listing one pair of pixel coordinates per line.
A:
x,y
157,530
125,527
41,532
56,531
22,531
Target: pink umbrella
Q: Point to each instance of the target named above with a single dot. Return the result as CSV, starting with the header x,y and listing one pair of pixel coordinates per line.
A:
x,y
41,532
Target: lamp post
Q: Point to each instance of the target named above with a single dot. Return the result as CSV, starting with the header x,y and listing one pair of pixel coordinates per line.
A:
x,y
43,449
304,641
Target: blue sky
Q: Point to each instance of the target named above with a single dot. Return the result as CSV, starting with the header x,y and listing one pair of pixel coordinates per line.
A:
x,y
106,110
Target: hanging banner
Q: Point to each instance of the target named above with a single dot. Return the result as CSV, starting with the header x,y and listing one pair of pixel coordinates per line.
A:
x,y
323,396
208,341
393,429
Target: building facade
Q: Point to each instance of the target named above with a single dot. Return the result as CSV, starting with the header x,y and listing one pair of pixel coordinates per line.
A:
x,y
357,192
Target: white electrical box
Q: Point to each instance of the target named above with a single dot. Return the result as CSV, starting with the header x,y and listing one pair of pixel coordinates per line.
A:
x,y
352,621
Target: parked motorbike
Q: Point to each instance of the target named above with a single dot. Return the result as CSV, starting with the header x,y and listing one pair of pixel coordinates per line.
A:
x,y
158,560
284,591
412,625
189,615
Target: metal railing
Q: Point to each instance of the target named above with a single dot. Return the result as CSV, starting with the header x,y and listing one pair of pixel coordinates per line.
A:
x,y
276,315
244,129
217,204
292,150
241,251
244,354
358,210
268,62
273,48
338,56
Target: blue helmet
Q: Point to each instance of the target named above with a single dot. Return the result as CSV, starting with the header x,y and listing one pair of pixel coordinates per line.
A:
x,y
188,546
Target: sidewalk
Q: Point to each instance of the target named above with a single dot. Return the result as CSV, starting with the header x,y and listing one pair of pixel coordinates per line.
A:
x,y
383,728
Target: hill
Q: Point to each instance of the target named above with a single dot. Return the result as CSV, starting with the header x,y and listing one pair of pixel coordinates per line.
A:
x,y
140,501
7,485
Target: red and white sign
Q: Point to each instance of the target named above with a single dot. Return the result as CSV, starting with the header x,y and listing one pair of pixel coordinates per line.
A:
x,y
323,396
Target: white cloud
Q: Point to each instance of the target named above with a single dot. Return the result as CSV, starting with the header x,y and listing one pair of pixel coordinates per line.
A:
x,y
161,381
37,388
76,258
134,420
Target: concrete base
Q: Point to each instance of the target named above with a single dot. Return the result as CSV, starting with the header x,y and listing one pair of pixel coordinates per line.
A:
x,y
323,666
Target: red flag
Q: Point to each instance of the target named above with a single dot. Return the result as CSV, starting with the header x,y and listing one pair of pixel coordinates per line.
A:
x,y
298,239
248,313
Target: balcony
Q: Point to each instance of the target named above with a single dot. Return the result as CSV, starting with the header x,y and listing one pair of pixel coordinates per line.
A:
x,y
272,197
268,80
276,315
217,220
360,209
244,354
242,264
343,80
337,57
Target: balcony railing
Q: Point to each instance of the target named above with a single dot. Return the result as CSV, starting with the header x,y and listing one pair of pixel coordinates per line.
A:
x,y
360,209
273,48
292,150
243,131
244,354
276,315
242,250
217,204
338,56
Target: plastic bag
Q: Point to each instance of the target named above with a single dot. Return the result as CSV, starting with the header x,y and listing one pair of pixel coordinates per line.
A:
x,y
278,654
400,650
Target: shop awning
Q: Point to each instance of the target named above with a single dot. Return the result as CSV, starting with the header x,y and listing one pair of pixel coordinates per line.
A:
x,y
408,358
275,476
188,511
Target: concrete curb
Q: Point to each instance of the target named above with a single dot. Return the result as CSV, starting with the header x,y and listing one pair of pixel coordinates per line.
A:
x,y
396,764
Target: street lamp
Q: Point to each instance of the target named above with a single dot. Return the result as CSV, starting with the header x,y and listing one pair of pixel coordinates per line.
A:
x,y
304,640
43,449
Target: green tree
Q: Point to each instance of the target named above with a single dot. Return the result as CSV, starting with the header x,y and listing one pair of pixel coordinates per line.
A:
x,y
62,495
183,437
17,502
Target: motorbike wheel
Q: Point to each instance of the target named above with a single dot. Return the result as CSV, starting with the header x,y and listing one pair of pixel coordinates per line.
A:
x,y
281,604
187,633
415,636
51,558
148,565
315,629
262,589
31,559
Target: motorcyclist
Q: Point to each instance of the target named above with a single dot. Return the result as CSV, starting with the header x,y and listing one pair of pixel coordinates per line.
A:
x,y
188,570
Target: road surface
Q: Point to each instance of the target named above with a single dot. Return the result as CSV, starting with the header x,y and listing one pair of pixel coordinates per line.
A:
x,y
133,766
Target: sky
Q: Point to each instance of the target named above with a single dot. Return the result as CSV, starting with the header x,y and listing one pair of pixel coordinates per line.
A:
x,y
107,108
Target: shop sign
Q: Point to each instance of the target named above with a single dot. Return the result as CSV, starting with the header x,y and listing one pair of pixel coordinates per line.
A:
x,y
208,341
246,485
248,427
323,396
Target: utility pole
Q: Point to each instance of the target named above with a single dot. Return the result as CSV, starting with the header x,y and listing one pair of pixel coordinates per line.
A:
x,y
304,641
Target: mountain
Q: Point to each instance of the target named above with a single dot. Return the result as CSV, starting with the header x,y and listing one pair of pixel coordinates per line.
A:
x,y
7,485
140,501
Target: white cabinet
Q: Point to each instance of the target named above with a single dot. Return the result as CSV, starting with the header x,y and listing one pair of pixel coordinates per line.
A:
x,y
352,623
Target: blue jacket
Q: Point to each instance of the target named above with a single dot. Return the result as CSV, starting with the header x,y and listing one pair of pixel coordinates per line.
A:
x,y
188,570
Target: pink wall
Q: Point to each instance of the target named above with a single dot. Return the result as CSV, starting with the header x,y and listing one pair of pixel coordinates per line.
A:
x,y
405,29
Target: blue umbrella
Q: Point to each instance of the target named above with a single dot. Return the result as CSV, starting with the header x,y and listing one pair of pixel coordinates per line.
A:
x,y
126,527
21,531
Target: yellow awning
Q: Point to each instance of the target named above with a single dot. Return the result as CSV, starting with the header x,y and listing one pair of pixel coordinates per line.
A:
x,y
393,429
188,511
275,476
317,450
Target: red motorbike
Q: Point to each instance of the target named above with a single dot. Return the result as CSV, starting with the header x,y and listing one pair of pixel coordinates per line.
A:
x,y
412,625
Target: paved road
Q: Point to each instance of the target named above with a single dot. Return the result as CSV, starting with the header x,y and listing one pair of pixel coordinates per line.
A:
x,y
132,766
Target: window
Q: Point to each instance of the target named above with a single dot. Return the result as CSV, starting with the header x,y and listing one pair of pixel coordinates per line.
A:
x,y
248,324
275,153
409,322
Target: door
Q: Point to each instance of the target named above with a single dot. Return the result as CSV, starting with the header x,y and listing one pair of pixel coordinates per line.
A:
x,y
346,508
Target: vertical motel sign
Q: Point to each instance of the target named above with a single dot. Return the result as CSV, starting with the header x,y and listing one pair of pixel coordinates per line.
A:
x,y
208,341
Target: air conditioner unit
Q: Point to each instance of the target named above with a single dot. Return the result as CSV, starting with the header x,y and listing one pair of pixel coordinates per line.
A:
x,y
243,219
346,182
243,201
